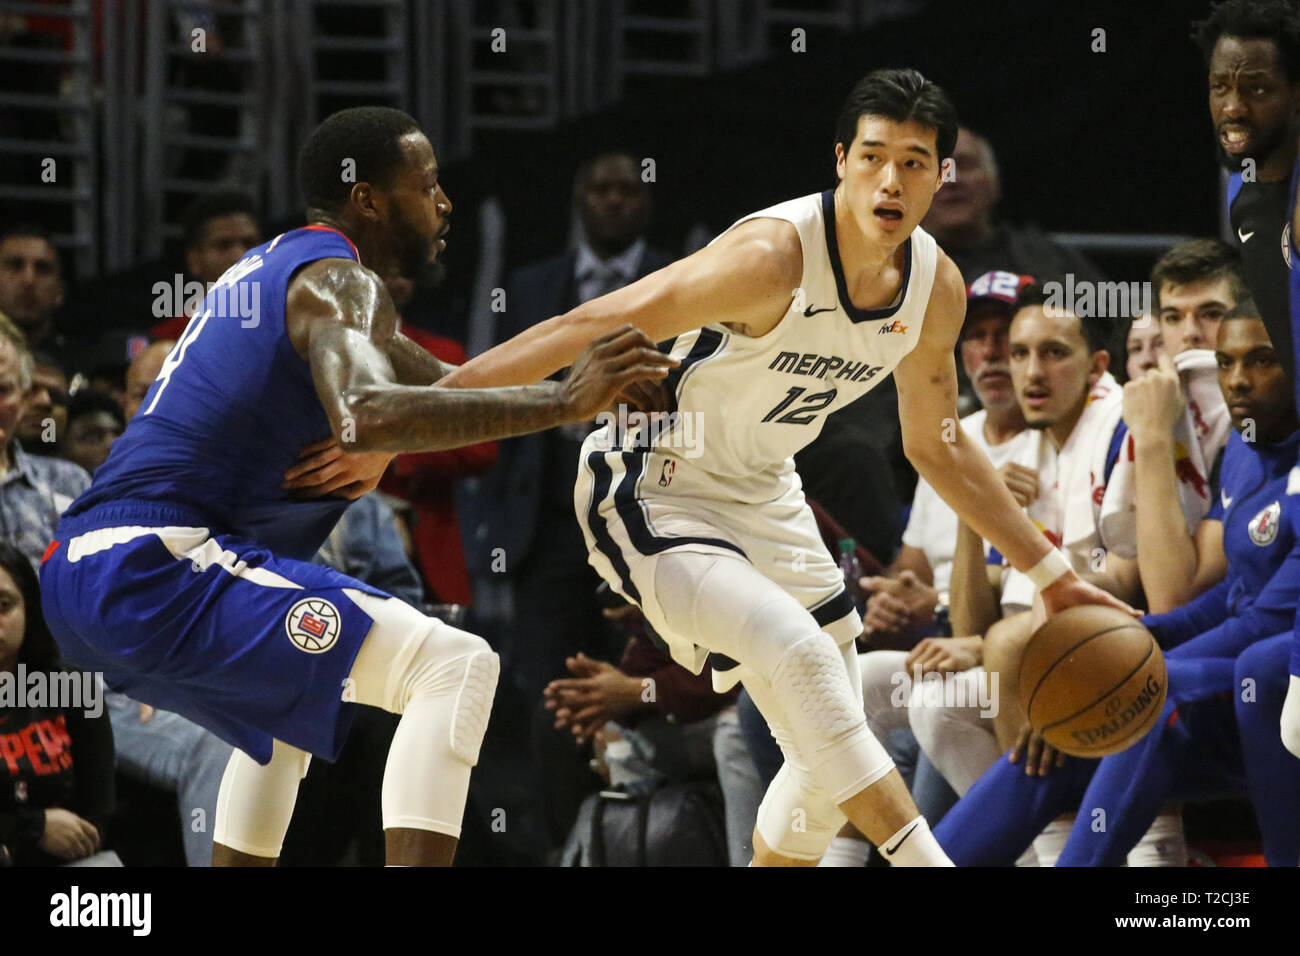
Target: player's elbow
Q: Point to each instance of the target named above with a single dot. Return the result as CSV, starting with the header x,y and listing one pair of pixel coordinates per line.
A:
x,y
361,426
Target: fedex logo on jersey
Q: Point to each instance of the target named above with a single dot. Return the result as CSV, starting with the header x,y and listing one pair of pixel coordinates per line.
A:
x,y
820,366
895,326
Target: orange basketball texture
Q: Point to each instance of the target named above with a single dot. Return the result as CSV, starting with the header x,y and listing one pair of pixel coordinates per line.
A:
x,y
1092,681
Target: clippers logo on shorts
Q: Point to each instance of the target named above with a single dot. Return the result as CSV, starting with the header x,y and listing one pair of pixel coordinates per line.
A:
x,y
1263,527
666,473
1286,244
313,625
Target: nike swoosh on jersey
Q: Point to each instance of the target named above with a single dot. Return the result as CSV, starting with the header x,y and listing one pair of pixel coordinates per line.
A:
x,y
1244,236
810,311
1227,502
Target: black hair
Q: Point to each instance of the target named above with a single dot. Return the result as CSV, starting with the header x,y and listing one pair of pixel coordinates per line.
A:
x,y
1275,20
88,401
38,652
366,135
28,229
902,96
1244,309
1097,330
227,202
1199,260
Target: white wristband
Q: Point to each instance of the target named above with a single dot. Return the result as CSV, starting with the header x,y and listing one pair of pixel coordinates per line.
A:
x,y
1048,571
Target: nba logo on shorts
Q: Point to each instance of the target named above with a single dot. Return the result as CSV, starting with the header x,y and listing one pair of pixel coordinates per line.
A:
x,y
313,625
666,473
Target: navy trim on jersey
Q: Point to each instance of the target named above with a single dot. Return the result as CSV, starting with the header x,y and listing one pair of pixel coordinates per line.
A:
x,y
833,249
599,529
832,609
1112,453
707,343
634,519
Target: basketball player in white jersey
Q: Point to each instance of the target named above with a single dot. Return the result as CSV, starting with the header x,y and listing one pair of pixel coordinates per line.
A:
x,y
789,315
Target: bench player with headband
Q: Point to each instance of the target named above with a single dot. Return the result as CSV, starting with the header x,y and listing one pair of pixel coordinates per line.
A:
x,y
183,572
700,519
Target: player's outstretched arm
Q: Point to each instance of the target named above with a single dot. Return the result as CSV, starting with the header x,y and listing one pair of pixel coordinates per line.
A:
x,y
342,323
745,279
954,465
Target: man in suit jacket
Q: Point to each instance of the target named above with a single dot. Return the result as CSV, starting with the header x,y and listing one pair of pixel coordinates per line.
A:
x,y
527,518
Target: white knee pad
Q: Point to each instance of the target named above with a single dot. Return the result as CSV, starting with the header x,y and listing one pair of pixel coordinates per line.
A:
x,y
797,818
457,668
1291,717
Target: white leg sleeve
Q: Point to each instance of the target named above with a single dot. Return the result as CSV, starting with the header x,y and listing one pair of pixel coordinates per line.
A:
x,y
255,803
1291,717
441,680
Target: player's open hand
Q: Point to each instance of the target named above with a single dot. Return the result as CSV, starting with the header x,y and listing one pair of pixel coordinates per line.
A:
x,y
1040,756
607,367
1070,590
325,469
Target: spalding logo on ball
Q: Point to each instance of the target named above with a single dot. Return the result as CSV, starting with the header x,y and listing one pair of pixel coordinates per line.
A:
x,y
1092,681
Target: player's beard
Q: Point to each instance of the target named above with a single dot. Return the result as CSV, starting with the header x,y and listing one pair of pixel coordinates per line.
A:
x,y
1269,140
414,252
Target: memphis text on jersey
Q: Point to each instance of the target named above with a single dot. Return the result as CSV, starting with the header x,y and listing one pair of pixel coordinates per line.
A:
x,y
820,366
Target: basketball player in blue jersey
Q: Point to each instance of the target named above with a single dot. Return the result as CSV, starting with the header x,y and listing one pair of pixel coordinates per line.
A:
x,y
182,573
700,520
1226,654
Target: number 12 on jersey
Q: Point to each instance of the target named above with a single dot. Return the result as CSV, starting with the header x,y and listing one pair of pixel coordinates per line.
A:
x,y
803,413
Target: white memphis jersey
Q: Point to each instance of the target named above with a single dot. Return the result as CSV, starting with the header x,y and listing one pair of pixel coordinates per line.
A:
x,y
745,405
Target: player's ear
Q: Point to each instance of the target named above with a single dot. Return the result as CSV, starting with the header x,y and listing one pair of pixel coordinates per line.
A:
x,y
841,157
363,198
1100,363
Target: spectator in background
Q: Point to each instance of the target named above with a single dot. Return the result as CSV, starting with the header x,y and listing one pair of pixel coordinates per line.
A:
x,y
526,501
95,419
1143,344
34,491
219,229
141,373
31,288
56,778
104,365
1196,283
46,413
962,220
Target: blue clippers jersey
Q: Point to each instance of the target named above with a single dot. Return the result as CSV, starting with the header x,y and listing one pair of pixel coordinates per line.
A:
x,y
1257,527
1259,595
227,415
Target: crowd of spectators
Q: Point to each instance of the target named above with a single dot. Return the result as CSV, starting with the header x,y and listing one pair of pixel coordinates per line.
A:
x,y
1109,430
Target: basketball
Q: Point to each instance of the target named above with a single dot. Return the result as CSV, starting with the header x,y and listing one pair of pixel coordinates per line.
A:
x,y
1092,681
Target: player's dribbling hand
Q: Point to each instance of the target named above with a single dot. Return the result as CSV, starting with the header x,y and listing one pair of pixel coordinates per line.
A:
x,y
67,835
1040,756
1070,590
608,366
324,468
